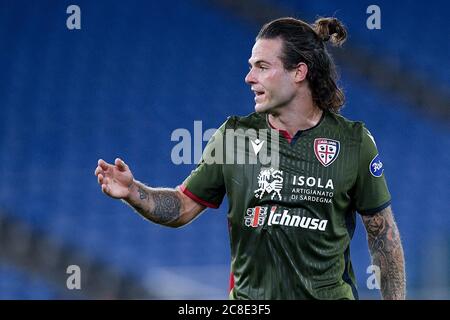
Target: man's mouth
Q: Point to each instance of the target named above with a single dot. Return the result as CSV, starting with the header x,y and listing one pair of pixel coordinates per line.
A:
x,y
258,94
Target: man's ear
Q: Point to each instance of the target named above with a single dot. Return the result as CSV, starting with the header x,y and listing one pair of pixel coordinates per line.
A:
x,y
300,72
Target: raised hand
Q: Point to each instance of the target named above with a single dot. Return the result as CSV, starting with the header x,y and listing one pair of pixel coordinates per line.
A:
x,y
115,179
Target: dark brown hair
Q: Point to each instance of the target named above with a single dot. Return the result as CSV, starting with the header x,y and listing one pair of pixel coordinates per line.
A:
x,y
306,43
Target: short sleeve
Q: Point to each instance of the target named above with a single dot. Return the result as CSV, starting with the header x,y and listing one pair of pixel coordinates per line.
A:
x,y
205,184
371,191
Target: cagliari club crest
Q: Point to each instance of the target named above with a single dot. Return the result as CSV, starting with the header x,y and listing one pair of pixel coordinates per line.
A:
x,y
326,150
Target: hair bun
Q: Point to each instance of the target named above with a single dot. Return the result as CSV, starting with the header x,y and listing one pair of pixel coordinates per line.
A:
x,y
330,28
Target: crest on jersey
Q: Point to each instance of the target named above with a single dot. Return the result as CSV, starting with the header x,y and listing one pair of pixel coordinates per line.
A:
x,y
255,217
326,150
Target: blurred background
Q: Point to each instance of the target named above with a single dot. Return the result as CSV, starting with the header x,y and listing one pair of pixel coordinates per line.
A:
x,y
138,70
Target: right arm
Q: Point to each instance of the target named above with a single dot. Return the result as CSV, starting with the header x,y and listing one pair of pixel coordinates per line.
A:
x,y
169,207
164,206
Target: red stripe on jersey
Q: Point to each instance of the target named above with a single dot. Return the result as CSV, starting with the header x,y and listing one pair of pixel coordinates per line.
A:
x,y
197,199
231,281
283,132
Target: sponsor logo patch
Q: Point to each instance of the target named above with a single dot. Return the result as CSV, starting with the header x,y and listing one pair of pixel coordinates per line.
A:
x,y
256,217
270,181
376,166
257,145
326,150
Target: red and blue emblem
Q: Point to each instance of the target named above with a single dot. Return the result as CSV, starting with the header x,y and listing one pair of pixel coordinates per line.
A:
x,y
326,150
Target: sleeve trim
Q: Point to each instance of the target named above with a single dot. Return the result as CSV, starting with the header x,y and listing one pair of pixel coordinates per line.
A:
x,y
197,199
370,212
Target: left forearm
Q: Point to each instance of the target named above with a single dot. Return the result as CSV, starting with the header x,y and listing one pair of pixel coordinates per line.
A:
x,y
387,253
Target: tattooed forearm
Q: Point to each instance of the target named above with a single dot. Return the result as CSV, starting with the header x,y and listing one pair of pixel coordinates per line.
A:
x,y
143,195
387,253
166,205
158,205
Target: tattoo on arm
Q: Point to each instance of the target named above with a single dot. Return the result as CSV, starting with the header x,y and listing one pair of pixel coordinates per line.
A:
x,y
158,205
387,253
167,205
143,195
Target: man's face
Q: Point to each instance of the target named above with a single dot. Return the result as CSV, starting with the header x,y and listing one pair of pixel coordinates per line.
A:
x,y
274,87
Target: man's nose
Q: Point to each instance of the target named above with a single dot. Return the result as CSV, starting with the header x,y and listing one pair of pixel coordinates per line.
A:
x,y
249,78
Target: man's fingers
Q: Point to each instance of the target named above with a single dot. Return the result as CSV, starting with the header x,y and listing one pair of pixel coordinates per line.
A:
x,y
103,164
120,164
98,170
103,180
105,189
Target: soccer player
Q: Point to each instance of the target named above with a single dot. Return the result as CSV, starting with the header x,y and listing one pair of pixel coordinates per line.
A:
x,y
291,220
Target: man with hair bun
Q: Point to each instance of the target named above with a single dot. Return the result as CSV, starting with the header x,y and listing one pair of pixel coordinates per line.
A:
x,y
290,222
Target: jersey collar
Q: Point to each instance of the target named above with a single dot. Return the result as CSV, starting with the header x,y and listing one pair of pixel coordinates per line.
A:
x,y
287,136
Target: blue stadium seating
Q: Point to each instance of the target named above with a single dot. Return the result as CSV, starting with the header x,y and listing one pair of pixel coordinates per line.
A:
x,y
413,34
18,284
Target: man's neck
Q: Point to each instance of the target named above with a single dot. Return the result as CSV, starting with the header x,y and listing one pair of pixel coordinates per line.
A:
x,y
294,119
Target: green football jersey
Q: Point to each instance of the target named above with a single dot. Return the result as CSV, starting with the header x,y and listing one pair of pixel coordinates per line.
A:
x,y
291,219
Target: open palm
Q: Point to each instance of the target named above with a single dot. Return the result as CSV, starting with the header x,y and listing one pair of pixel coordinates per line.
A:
x,y
115,179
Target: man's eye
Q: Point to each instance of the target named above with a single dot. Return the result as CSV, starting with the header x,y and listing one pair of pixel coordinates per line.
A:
x,y
262,68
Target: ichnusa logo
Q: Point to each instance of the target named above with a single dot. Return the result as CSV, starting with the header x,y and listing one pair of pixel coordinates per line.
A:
x,y
326,150
255,217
